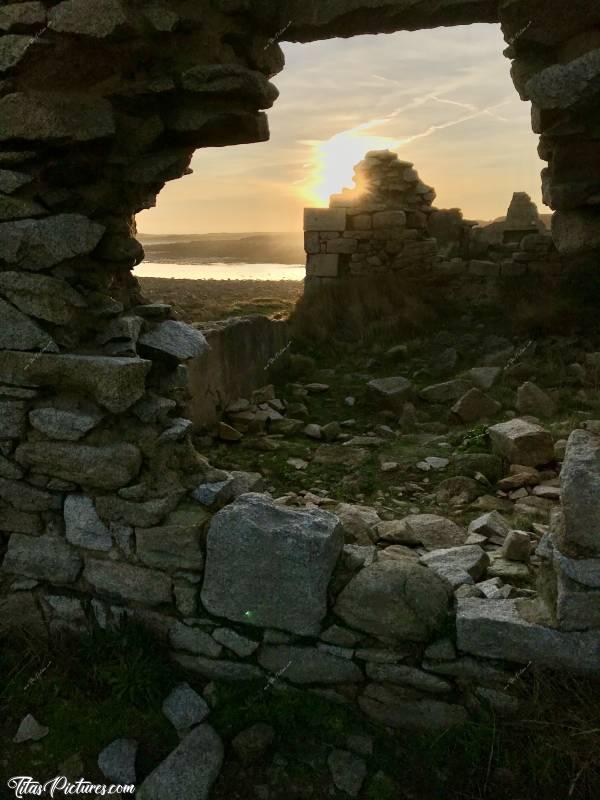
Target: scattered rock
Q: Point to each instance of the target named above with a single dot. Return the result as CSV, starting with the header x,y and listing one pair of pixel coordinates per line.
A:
x,y
348,771
252,743
184,707
30,730
522,442
394,600
458,565
517,546
117,761
189,771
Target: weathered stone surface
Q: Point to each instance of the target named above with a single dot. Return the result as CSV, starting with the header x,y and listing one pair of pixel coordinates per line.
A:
x,y
270,566
394,600
252,743
522,442
126,582
392,392
484,377
231,79
577,606
194,640
309,21
491,525
348,771
13,521
517,546
18,332
219,670
324,219
115,383
117,761
10,181
396,708
429,530
39,244
358,522
580,479
475,405
184,707
458,565
13,419
97,18
189,771
576,231
12,50
21,14
106,468
46,298
175,545
42,557
563,85
83,526
30,730
175,339
64,425
146,514
495,629
533,401
240,645
8,468
307,665
36,116
408,676
445,392
24,497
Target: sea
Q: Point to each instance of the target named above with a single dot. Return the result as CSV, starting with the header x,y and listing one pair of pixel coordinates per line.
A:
x,y
221,270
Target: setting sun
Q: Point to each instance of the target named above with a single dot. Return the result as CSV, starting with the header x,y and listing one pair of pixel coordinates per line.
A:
x,y
333,162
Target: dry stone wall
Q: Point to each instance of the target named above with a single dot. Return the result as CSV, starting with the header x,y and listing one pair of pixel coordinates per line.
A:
x,y
105,505
386,225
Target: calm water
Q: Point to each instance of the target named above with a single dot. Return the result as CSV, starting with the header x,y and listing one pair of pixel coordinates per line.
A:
x,y
222,271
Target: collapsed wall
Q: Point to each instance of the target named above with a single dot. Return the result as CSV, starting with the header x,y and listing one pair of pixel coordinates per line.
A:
x,y
386,225
105,505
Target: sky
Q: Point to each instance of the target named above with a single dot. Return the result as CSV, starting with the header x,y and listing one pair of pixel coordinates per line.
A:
x,y
442,99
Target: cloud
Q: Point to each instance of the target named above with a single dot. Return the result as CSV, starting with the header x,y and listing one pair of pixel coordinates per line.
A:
x,y
443,98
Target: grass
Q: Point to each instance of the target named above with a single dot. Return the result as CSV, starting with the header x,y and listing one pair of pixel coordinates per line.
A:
x,y
204,300
88,692
111,685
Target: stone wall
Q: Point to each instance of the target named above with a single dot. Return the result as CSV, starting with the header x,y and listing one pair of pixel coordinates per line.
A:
x,y
241,354
104,502
386,225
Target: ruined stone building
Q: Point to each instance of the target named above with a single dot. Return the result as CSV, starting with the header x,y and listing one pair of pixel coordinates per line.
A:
x,y
104,501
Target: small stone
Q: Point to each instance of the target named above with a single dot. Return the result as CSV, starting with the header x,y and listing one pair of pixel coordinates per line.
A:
x,y
517,546
522,442
491,525
457,565
189,771
391,392
252,743
312,431
84,528
64,425
30,730
117,761
228,434
533,401
175,339
240,645
184,707
475,405
348,771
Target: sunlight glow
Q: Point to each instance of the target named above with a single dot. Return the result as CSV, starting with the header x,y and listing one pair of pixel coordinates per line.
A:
x,y
333,163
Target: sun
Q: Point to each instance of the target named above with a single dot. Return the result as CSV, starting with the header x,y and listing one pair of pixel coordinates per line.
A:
x,y
333,161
